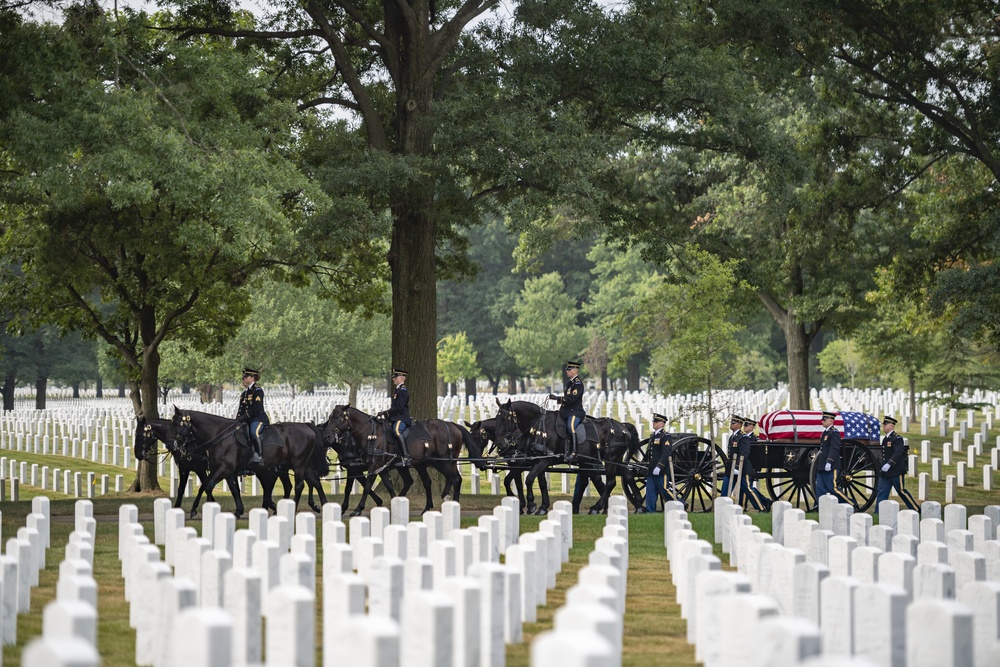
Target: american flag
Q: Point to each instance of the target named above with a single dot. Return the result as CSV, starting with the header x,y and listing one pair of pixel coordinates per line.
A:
x,y
806,424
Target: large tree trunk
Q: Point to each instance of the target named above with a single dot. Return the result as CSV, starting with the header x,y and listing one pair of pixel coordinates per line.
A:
x,y
470,389
99,387
9,383
414,307
798,338
632,374
41,383
911,376
148,393
797,342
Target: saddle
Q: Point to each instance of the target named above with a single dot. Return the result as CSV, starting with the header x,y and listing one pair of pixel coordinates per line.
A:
x,y
269,437
586,431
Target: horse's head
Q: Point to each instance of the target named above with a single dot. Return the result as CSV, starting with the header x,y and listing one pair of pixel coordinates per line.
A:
x,y
183,431
144,438
337,429
507,432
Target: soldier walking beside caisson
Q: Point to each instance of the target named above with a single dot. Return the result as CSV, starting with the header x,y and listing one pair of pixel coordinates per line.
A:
x,y
658,452
732,450
828,460
747,472
894,462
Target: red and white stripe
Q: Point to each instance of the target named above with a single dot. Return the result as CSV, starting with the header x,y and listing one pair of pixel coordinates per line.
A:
x,y
789,424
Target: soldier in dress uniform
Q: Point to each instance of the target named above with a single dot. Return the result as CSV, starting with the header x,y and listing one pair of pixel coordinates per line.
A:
x,y
658,453
398,414
571,407
828,460
747,472
251,412
894,462
732,450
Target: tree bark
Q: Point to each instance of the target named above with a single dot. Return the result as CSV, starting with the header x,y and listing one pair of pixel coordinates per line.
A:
x,y
76,390
414,306
41,383
99,387
511,385
9,383
911,376
632,374
798,338
604,379
470,388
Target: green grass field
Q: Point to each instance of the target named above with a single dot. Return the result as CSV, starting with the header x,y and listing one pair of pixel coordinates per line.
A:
x,y
653,628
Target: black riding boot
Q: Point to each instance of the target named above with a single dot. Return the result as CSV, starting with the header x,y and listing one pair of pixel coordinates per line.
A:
x,y
255,448
570,455
404,453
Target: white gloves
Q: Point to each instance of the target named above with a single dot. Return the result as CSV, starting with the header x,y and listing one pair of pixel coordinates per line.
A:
x,y
885,468
656,471
828,467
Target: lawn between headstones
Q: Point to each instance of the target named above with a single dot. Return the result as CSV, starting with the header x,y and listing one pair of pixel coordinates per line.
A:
x,y
653,628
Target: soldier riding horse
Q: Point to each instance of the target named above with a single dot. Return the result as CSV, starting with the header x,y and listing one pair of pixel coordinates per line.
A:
x,y
431,442
547,442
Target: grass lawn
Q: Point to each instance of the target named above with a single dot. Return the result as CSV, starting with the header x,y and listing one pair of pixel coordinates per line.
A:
x,y
654,632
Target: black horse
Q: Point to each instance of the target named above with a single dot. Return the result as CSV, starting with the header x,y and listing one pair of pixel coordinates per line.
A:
x,y
514,463
547,442
619,443
431,442
149,431
294,445
350,457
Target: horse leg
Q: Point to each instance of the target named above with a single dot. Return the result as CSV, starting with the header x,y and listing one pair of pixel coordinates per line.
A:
x,y
202,477
529,493
300,484
407,480
425,479
603,491
602,504
286,483
234,488
452,480
537,470
207,487
181,485
365,487
314,482
267,482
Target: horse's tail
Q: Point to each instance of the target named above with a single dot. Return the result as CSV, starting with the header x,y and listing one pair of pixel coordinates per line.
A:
x,y
319,462
473,447
633,439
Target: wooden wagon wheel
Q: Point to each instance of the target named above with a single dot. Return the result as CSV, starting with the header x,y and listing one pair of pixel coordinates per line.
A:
x,y
634,480
695,459
857,478
795,481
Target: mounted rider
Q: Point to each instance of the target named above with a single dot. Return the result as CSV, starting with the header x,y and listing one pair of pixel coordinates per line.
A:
x,y
251,412
571,407
398,414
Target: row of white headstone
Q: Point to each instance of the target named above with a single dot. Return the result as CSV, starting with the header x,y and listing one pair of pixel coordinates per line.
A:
x,y
69,622
915,590
399,593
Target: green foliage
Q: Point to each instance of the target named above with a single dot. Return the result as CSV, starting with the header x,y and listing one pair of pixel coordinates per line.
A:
x,y
294,336
482,305
841,361
622,281
456,358
686,324
545,332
